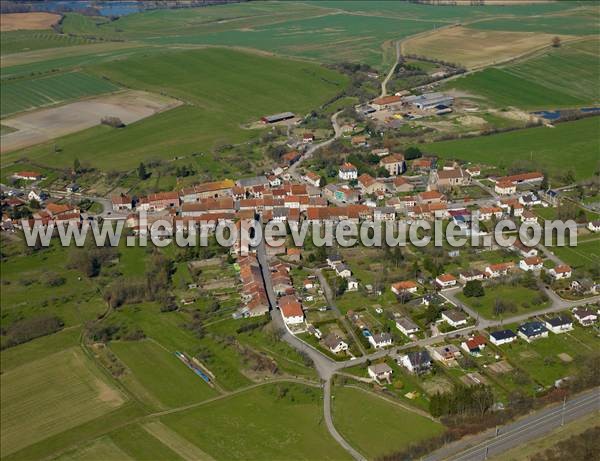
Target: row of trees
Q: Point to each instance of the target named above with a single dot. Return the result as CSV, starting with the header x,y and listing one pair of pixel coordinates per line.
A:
x,y
462,401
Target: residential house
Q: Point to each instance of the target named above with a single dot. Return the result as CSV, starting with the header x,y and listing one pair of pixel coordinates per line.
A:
x,y
585,316
500,337
347,172
473,171
474,345
416,362
369,185
386,213
446,354
470,275
289,158
121,202
454,318
312,178
406,286
394,164
530,331
407,326
534,263
359,141
379,340
562,271
454,177
402,184
423,165
431,197
307,138
213,189
28,175
445,281
524,250
559,324
489,212
534,177
380,152
352,284
498,270
529,200
380,372
335,344
291,310
342,270
159,201
505,188
528,217
594,226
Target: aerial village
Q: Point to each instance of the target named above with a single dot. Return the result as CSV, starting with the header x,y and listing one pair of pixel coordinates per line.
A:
x,y
332,299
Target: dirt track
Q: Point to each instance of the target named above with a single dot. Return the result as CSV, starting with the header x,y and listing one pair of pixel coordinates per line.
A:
x,y
27,21
46,124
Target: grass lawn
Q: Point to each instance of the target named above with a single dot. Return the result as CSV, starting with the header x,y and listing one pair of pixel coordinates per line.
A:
x,y
50,395
584,256
541,148
18,41
279,421
160,373
541,359
377,427
515,294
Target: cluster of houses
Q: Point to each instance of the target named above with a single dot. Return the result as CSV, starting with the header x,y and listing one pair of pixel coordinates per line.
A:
x,y
377,340
343,271
536,329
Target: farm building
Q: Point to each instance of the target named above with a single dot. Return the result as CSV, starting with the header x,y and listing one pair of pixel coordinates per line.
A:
x,y
429,100
277,117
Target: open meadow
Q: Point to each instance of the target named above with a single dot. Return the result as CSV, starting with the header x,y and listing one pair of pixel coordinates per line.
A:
x,y
376,427
277,421
221,90
27,21
549,149
558,77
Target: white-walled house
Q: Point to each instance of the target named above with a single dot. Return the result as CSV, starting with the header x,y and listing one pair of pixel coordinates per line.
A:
x,y
445,281
379,340
335,344
561,272
348,172
585,316
407,326
534,263
454,318
502,337
559,324
380,372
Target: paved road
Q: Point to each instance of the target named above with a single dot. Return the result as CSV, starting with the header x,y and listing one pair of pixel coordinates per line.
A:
x,y
292,170
525,429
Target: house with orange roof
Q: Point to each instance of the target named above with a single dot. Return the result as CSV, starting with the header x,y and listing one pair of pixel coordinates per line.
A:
x,y
347,172
406,286
394,164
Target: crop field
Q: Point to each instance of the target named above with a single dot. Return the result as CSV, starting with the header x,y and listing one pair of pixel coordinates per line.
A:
x,y
577,22
22,41
161,373
550,149
21,95
223,89
475,48
27,21
376,427
278,421
40,398
563,77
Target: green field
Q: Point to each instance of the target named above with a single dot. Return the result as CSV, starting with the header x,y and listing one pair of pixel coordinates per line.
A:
x,y
377,427
514,294
582,22
279,421
20,95
584,256
50,395
568,146
160,373
19,41
222,88
563,77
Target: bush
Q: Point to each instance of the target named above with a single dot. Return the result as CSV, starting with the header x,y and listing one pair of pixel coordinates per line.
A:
x,y
25,330
114,122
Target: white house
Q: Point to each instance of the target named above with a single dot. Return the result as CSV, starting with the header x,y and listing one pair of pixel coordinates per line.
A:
x,y
312,178
560,324
585,316
561,272
505,188
335,344
380,372
445,280
342,270
407,326
348,172
470,275
534,263
291,311
379,340
502,337
416,362
594,226
454,318
352,284
407,286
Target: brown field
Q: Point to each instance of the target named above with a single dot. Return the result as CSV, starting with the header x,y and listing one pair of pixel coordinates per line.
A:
x,y
46,124
27,21
476,48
